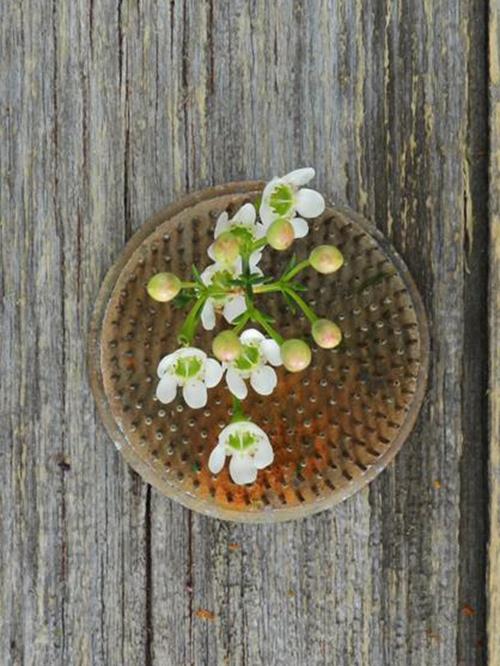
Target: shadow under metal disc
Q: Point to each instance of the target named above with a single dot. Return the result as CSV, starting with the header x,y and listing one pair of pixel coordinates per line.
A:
x,y
333,427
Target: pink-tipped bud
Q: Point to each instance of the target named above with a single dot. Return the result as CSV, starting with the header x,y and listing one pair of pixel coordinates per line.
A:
x,y
280,234
296,355
226,346
326,259
326,334
226,248
164,287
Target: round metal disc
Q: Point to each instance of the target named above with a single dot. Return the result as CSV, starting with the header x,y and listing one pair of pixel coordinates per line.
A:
x,y
333,427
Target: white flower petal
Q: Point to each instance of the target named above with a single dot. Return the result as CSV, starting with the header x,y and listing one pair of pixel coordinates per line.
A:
x,y
264,455
166,389
271,350
242,469
217,459
208,315
195,393
251,335
309,203
190,351
260,230
213,372
207,274
266,214
245,215
234,307
236,384
241,427
299,177
222,224
165,363
264,380
269,188
300,227
253,260
210,252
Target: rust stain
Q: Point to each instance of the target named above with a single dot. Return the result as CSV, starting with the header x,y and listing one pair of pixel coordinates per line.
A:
x,y
204,614
468,611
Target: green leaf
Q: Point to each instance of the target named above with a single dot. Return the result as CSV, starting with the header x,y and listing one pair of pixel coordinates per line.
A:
x,y
256,278
268,318
290,302
291,264
196,274
183,298
297,286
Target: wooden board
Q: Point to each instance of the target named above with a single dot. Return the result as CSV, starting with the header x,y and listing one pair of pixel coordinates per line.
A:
x,y
109,111
493,578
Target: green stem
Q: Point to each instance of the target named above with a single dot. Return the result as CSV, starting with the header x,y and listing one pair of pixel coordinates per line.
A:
x,y
296,270
258,244
238,413
188,285
257,317
267,288
246,275
241,324
190,324
309,313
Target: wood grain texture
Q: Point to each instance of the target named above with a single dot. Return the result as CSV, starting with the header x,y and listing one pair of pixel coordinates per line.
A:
x,y
108,112
493,579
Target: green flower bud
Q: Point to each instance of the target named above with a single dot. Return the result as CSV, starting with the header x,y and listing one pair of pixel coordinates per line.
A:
x,y
296,355
280,234
226,248
226,346
326,259
326,334
164,287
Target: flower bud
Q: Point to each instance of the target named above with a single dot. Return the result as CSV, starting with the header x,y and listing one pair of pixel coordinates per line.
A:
x,y
226,248
296,355
280,234
326,259
226,346
164,287
326,334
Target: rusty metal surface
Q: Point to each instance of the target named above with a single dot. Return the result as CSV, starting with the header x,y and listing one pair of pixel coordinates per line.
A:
x,y
333,427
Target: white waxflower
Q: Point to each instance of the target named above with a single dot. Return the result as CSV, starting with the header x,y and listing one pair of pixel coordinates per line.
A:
x,y
284,197
243,225
252,364
249,448
191,369
231,305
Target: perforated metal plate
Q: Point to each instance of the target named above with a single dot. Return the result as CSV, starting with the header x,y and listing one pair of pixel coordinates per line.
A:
x,y
333,427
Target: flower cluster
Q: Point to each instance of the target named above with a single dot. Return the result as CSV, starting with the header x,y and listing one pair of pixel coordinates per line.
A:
x,y
230,288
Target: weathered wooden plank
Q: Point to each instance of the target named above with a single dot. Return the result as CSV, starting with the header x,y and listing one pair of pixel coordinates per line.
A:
x,y
471,640
32,388
105,524
107,113
493,580
156,159
74,565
